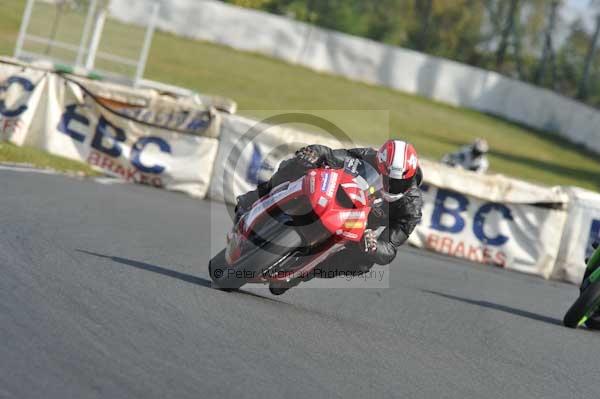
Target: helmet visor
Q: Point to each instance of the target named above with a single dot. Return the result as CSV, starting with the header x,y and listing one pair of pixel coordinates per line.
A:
x,y
396,186
394,189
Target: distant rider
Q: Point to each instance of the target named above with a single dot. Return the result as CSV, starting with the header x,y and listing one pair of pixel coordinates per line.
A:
x,y
470,157
398,163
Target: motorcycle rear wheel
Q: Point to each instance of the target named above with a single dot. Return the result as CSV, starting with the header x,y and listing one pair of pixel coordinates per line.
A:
x,y
233,277
584,307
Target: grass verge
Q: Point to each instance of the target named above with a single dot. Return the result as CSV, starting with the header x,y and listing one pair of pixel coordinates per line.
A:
x,y
10,153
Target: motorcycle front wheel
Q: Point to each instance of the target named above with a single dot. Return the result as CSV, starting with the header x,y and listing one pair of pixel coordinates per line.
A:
x,y
253,264
584,307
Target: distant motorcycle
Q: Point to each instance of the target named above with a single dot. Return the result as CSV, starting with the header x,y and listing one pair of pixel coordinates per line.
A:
x,y
289,232
588,303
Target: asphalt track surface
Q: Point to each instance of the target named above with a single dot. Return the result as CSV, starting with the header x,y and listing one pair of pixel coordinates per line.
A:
x,y
104,293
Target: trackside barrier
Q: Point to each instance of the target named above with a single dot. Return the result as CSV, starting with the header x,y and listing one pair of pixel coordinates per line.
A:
x,y
368,61
521,236
490,219
139,136
581,231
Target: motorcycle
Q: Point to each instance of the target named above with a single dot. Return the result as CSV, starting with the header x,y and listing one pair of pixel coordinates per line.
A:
x,y
286,234
588,303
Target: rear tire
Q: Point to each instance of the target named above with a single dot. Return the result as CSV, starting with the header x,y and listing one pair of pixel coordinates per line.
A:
x,y
586,302
228,277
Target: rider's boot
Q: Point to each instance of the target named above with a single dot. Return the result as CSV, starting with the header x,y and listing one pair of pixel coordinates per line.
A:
x,y
280,288
245,201
289,170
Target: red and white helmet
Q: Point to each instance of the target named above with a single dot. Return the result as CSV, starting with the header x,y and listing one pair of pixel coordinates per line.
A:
x,y
397,162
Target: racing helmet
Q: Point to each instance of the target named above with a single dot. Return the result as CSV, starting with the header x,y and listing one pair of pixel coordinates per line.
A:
x,y
398,163
480,146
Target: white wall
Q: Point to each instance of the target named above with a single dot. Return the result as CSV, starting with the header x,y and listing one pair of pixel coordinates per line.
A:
x,y
365,60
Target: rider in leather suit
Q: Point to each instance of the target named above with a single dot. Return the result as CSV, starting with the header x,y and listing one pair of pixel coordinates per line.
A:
x,y
398,163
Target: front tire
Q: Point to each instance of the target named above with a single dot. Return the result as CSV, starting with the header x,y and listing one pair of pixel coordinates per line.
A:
x,y
587,303
218,271
228,277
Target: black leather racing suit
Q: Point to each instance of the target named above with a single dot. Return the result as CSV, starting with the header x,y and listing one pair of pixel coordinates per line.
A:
x,y
399,218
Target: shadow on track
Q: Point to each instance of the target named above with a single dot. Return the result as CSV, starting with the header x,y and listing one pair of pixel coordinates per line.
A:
x,y
207,283
153,268
502,308
167,272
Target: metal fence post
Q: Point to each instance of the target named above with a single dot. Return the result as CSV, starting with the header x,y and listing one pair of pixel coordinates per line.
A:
x,y
23,29
86,33
96,36
139,73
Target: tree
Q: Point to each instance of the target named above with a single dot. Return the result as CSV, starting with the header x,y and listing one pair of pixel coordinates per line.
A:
x,y
423,10
570,57
548,55
583,90
507,31
389,20
446,28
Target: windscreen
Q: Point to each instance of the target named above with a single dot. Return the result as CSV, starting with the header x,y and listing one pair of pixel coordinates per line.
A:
x,y
365,175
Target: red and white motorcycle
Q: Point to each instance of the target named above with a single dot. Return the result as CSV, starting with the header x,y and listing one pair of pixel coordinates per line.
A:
x,y
299,224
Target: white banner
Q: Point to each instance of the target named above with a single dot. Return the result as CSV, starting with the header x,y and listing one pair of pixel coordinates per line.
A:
x,y
519,237
20,93
491,187
581,231
250,151
135,141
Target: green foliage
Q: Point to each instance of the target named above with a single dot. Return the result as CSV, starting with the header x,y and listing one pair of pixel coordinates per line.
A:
x,y
571,57
10,153
251,3
453,28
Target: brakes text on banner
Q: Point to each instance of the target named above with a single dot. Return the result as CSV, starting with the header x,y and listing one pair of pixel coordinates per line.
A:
x,y
515,236
68,120
133,151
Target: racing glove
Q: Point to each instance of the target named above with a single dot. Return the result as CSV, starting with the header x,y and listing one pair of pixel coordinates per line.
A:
x,y
308,156
369,241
